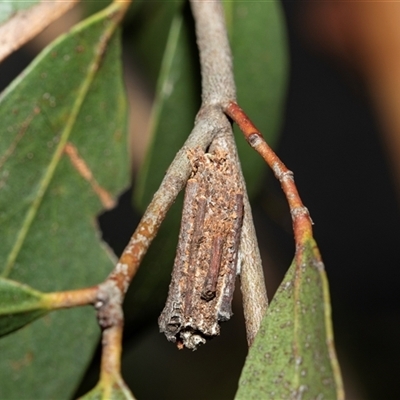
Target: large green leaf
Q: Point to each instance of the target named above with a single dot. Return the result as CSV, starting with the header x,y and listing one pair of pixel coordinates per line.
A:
x,y
72,93
293,355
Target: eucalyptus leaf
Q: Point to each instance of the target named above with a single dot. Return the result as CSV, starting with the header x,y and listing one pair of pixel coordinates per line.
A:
x,y
293,355
71,96
19,305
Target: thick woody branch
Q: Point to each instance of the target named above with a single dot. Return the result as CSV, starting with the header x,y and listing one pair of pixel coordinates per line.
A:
x,y
218,85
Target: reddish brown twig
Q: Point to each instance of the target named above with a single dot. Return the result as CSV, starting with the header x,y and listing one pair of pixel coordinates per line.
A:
x,y
302,224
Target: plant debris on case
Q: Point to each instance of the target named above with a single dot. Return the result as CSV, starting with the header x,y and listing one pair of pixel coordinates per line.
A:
x,y
205,268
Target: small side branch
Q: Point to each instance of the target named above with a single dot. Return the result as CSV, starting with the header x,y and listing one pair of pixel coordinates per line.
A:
x,y
302,224
72,298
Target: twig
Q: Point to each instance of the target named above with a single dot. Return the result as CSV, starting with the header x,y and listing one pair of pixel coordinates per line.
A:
x,y
302,224
72,298
112,350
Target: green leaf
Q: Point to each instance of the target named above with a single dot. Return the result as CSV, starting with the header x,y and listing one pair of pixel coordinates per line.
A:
x,y
9,8
293,354
115,389
19,305
72,93
260,59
